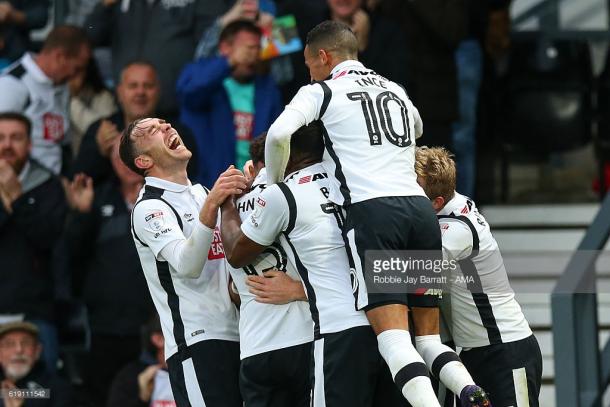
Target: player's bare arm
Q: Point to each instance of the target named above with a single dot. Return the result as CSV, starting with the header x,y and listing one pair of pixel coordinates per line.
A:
x,y
239,249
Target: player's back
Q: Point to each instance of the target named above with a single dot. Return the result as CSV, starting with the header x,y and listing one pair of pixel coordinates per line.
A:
x,y
316,246
267,327
484,309
370,130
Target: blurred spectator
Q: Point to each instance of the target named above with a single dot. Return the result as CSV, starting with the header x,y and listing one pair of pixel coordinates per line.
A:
x,y
433,30
90,102
98,232
20,351
289,71
79,10
225,102
162,32
36,86
144,382
138,96
376,35
483,31
17,19
32,214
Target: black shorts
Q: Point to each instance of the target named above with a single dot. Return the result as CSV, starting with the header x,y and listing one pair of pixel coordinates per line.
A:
x,y
393,223
277,378
206,373
349,371
510,372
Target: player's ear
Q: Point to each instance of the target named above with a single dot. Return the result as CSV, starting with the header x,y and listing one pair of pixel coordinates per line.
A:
x,y
438,203
324,56
143,162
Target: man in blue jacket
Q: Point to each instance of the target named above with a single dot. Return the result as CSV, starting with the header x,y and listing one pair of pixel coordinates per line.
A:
x,y
225,102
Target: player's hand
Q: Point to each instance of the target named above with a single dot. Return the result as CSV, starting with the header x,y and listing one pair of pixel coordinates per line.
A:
x,y
106,136
231,182
275,287
9,181
79,193
146,382
7,398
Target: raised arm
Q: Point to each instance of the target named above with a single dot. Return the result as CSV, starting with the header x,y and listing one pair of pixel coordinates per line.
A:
x,y
302,110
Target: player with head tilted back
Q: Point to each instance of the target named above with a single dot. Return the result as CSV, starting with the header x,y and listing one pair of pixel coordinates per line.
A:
x,y
369,126
174,226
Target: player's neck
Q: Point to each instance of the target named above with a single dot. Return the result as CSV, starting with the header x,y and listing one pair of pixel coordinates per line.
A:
x,y
177,175
299,165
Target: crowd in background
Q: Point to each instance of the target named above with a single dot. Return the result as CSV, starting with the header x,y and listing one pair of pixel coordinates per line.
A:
x,y
68,260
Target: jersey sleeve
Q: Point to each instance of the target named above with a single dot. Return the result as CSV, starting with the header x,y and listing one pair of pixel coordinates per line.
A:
x,y
302,110
269,218
14,95
457,240
155,224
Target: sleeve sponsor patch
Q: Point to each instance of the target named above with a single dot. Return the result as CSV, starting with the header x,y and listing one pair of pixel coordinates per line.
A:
x,y
216,251
155,220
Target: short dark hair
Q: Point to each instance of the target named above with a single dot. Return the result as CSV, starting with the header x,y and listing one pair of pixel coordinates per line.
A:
x,y
333,35
127,149
67,37
308,141
257,148
232,29
16,116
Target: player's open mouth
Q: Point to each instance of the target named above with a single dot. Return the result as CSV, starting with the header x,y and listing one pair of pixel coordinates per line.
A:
x,y
174,142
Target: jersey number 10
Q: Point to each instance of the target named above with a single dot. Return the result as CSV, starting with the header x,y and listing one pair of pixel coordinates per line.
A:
x,y
378,118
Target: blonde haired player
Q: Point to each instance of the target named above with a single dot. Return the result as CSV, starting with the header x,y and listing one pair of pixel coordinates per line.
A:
x,y
498,346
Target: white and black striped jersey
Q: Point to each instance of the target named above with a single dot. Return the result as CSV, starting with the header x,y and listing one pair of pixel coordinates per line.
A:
x,y
25,88
308,226
191,309
268,327
370,127
483,306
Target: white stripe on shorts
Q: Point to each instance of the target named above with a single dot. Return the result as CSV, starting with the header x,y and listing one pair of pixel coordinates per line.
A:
x,y
362,300
192,384
521,392
318,399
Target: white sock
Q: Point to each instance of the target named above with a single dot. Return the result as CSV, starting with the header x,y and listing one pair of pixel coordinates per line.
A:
x,y
448,368
407,367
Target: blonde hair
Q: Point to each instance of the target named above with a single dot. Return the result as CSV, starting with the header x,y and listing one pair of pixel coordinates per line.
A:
x,y
436,168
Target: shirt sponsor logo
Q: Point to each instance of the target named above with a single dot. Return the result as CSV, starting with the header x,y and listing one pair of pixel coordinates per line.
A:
x,y
53,127
217,251
155,220
261,201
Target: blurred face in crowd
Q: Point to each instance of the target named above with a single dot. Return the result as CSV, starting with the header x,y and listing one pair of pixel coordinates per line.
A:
x,y
244,48
344,9
19,351
69,66
15,144
138,91
125,175
318,63
160,145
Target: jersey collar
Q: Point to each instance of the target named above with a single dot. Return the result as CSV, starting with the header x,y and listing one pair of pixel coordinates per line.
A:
x,y
343,66
454,205
166,185
34,70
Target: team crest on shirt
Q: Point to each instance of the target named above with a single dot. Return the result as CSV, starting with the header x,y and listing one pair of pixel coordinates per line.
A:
x,y
155,220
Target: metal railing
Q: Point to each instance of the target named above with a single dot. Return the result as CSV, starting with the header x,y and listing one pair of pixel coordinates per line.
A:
x,y
582,372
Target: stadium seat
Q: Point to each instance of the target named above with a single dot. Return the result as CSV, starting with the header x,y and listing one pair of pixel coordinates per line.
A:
x,y
547,106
